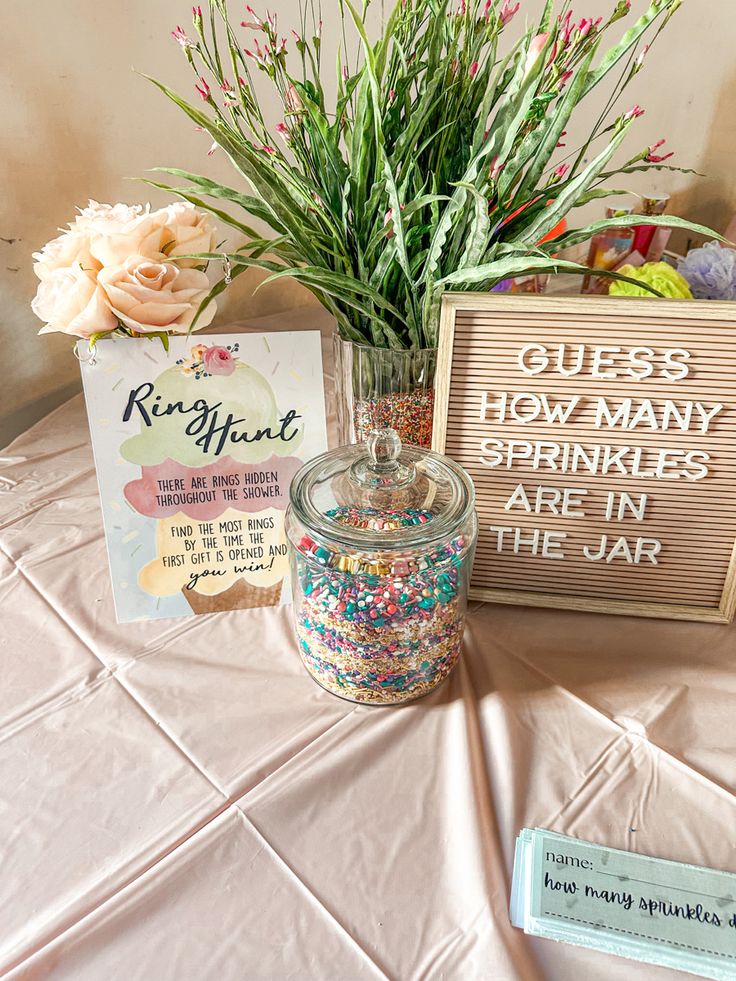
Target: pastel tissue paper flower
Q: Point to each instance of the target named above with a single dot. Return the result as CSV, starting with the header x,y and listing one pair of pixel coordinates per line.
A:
x,y
711,272
659,275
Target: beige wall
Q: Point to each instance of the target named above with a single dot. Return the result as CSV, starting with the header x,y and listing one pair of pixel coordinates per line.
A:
x,y
78,119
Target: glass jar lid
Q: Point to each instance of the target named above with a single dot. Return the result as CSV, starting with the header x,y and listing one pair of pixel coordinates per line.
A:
x,y
382,495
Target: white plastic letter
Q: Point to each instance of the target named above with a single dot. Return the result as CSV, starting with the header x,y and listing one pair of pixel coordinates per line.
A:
x,y
600,361
641,362
535,365
679,371
518,499
491,457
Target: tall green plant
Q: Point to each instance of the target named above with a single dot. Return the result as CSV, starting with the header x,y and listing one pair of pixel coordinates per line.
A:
x,y
436,167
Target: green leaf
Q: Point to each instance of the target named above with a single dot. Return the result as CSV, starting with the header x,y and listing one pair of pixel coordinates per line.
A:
x,y
496,272
477,240
577,235
159,335
513,108
332,281
559,121
647,167
567,194
627,42
254,206
597,193
546,20
186,195
383,45
362,155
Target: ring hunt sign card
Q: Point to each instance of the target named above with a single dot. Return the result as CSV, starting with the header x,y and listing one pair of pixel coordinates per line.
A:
x,y
195,449
601,437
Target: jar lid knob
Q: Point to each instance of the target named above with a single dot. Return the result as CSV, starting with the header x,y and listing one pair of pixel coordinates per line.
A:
x,y
384,447
381,467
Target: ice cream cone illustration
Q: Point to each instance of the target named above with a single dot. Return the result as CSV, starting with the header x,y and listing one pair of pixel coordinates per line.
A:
x,y
217,457
241,596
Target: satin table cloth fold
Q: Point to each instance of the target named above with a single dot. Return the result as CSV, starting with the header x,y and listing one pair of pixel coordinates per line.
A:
x,y
180,801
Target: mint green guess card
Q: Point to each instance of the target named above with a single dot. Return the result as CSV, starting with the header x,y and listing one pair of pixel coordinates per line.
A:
x,y
648,909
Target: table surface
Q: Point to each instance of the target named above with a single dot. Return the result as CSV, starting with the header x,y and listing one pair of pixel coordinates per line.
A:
x,y
180,801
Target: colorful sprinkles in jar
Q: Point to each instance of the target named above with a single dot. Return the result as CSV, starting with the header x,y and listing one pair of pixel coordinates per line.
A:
x,y
380,630
410,413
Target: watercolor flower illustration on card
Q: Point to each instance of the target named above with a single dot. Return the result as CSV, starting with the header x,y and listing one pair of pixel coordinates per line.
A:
x,y
204,361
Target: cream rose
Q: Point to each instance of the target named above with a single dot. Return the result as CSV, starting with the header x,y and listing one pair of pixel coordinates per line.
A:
x,y
156,296
190,231
69,300
119,231
115,215
69,249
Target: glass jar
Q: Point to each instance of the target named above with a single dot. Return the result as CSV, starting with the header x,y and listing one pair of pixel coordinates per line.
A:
x,y
608,249
377,388
381,539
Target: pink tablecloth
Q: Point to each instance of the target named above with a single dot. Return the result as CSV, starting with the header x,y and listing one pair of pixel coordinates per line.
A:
x,y
179,801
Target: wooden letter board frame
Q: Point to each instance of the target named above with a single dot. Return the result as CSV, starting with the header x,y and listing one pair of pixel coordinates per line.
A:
x,y
481,336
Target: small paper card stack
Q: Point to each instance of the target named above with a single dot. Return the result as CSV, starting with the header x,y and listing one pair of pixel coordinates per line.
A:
x,y
647,909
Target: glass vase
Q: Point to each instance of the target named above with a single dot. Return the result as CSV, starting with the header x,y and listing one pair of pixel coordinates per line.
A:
x,y
377,388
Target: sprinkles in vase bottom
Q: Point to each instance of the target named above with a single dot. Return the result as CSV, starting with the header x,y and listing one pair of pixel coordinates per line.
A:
x,y
378,632
409,413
